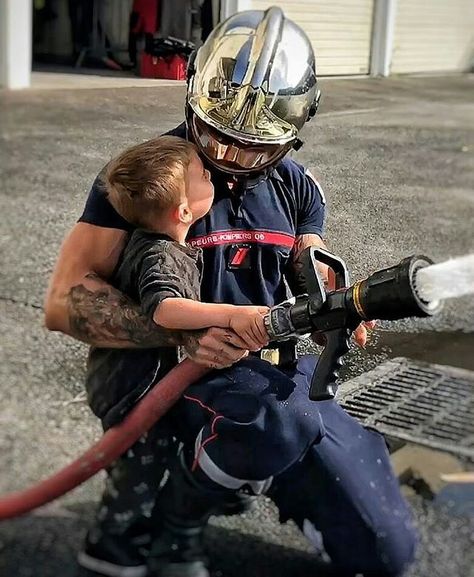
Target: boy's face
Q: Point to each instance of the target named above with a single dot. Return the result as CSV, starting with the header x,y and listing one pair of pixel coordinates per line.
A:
x,y
199,188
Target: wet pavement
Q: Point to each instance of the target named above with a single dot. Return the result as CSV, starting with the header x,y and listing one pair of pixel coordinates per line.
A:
x,y
398,167
445,348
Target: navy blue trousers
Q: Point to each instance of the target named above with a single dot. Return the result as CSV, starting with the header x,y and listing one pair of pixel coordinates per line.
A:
x,y
256,424
333,477
252,421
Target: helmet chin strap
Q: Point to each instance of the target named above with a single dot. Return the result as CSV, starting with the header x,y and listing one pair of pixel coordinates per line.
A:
x,y
298,143
241,182
244,182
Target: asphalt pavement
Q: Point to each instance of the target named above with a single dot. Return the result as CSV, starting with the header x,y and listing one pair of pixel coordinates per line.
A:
x,y
395,157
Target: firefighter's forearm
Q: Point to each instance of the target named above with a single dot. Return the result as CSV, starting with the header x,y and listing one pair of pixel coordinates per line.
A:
x,y
102,316
297,280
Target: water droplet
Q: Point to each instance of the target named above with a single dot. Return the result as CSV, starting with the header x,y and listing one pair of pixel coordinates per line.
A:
x,y
372,484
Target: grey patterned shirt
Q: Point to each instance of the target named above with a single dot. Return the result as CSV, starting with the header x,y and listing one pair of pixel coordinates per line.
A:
x,y
152,267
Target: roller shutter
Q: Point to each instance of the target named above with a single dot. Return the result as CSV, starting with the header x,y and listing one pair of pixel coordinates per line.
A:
x,y
433,35
339,30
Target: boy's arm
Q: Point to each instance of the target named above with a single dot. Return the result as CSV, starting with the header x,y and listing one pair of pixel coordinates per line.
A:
x,y
168,286
181,313
246,321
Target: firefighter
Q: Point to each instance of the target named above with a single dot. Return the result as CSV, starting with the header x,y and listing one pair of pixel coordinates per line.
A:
x,y
249,427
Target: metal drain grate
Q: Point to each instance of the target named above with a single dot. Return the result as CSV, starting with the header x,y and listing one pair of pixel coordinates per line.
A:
x,y
431,405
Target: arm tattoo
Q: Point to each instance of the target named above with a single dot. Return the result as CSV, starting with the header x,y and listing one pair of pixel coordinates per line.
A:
x,y
296,279
105,317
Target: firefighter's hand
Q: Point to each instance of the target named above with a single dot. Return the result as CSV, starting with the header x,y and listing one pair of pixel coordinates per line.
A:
x,y
360,334
216,348
247,322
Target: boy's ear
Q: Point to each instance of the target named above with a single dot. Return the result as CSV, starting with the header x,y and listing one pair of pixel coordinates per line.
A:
x,y
184,214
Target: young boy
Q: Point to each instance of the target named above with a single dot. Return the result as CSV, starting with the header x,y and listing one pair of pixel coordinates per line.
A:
x,y
162,188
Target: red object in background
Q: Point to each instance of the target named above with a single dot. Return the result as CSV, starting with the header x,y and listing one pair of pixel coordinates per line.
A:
x,y
146,14
169,67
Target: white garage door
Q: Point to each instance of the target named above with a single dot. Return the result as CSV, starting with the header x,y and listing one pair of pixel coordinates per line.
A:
x,y
340,31
433,35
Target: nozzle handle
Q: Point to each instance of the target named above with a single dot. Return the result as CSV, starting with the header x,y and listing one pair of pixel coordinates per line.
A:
x,y
325,377
335,263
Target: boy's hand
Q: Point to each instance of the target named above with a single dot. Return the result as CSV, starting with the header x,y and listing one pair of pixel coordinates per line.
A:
x,y
247,322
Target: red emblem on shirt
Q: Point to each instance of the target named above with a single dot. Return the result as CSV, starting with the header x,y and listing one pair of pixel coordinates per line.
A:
x,y
239,256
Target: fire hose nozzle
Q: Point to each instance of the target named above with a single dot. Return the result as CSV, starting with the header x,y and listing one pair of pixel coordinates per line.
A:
x,y
388,294
391,293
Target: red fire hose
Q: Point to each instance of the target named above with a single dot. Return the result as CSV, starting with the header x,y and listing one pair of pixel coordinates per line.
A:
x,y
113,443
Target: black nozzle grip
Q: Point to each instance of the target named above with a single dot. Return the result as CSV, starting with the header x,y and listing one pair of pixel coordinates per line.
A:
x,y
333,262
326,374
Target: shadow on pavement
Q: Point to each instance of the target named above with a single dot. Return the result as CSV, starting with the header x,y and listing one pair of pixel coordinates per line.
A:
x,y
46,546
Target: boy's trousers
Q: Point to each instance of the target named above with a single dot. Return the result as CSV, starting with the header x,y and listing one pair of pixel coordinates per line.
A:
x,y
253,426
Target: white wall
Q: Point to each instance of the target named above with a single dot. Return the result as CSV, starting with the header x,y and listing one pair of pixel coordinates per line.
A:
x,y
15,43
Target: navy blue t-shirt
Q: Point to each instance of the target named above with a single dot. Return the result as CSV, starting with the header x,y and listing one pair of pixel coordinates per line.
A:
x,y
247,236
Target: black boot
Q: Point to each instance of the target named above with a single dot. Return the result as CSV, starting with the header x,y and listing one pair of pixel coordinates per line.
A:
x,y
237,503
183,509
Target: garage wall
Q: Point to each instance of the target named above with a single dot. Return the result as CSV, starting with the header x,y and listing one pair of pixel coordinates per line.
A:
x,y
15,43
339,30
433,35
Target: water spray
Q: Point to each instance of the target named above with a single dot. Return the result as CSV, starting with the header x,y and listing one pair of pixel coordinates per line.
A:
x,y
450,279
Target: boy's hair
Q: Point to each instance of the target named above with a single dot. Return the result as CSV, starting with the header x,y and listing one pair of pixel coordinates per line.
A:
x,y
148,177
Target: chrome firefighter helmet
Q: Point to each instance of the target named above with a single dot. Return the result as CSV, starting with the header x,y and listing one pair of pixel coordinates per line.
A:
x,y
251,87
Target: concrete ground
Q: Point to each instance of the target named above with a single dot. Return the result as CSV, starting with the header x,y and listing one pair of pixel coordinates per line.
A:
x,y
63,78
396,160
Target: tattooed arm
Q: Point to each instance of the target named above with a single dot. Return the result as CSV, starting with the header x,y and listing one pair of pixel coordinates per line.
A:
x,y
82,304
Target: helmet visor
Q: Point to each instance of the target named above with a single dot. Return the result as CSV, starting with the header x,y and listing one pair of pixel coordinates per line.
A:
x,y
231,155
